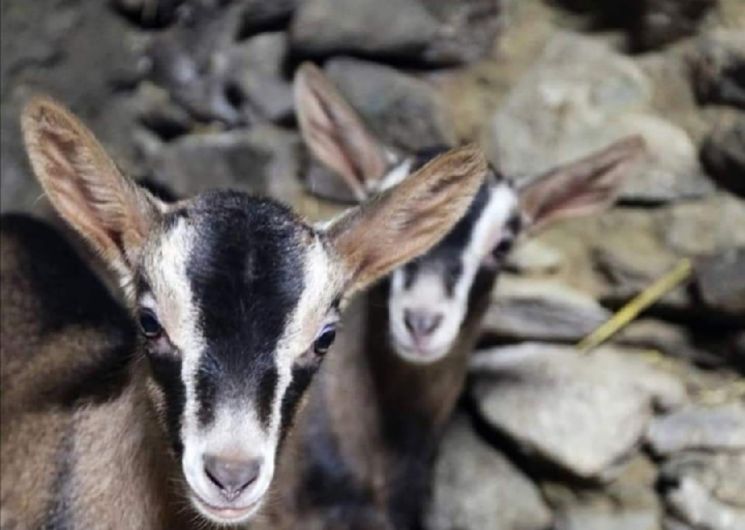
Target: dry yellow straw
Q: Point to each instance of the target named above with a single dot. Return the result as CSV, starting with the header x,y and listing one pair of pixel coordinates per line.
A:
x,y
636,305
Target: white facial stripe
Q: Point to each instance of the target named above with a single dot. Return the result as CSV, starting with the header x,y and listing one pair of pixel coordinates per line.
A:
x,y
174,304
427,292
237,429
490,225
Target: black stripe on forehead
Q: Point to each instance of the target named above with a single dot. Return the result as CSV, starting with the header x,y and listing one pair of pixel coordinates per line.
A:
x,y
246,270
459,236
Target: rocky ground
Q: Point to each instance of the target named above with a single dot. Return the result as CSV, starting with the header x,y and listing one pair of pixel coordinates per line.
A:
x,y
645,433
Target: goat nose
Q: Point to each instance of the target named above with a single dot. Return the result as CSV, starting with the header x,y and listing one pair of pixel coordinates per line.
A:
x,y
421,323
231,476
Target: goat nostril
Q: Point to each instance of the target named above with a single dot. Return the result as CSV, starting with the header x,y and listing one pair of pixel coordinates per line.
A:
x,y
409,321
433,323
231,476
421,323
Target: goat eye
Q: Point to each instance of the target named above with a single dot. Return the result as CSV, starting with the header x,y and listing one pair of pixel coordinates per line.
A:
x,y
149,324
324,341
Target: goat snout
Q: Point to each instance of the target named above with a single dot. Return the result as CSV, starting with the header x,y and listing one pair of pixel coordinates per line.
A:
x,y
231,476
421,323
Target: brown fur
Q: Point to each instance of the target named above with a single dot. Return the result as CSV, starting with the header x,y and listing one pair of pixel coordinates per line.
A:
x,y
386,437
83,442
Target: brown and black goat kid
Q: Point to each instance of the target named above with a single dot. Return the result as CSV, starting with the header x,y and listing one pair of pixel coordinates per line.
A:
x,y
236,299
368,454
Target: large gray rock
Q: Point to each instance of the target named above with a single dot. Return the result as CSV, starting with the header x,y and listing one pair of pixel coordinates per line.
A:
x,y
429,31
403,110
697,427
723,154
476,487
526,308
397,28
580,96
47,48
262,160
584,413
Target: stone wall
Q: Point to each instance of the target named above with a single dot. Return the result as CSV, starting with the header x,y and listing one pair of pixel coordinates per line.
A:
x,y
646,433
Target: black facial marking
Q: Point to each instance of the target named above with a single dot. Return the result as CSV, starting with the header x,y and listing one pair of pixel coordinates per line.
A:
x,y
246,271
167,374
301,378
265,395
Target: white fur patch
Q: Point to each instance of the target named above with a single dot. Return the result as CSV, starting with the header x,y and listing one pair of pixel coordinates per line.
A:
x,y
427,292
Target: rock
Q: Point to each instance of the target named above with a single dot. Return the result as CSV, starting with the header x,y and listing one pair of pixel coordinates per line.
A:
x,y
690,501
659,22
703,227
721,474
189,60
147,13
670,523
532,256
584,413
262,14
401,109
721,281
432,32
160,114
673,341
216,76
476,487
718,68
608,519
46,48
526,308
630,502
697,427
389,28
648,23
723,155
468,30
256,73
632,248
262,160
579,97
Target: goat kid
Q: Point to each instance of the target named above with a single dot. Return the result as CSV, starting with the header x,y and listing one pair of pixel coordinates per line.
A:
x,y
408,346
237,301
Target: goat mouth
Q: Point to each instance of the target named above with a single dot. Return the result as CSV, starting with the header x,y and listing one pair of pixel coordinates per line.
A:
x,y
228,514
417,354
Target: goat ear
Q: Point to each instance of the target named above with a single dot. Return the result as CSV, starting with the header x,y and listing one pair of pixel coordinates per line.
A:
x,y
85,186
584,187
406,220
335,133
